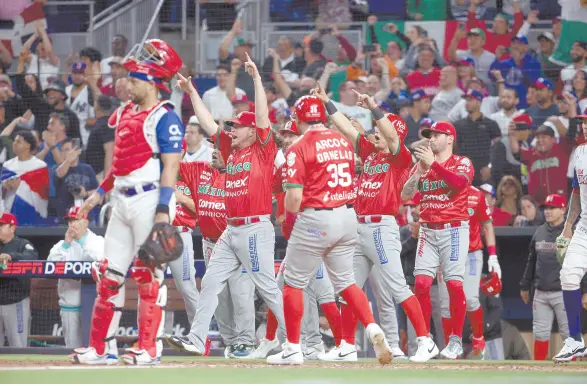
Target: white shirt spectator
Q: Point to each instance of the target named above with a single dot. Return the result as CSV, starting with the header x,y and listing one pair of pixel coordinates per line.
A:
x,y
288,76
567,75
43,69
82,108
204,153
358,113
443,103
218,103
489,106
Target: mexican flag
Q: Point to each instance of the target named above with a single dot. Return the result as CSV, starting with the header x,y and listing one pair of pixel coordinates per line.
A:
x,y
574,27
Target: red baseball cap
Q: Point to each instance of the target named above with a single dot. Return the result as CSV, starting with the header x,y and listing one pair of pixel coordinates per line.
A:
x,y
440,127
242,98
8,218
399,125
523,119
555,201
246,118
290,127
72,213
415,200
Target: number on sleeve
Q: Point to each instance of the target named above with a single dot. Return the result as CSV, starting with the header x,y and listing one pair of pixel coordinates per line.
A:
x,y
340,174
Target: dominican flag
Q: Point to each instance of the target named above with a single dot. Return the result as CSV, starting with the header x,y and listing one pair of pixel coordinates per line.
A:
x,y
29,201
25,25
574,27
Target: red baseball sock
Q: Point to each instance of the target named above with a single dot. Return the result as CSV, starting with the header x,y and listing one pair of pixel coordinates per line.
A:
x,y
414,314
293,309
447,329
349,323
477,324
422,291
458,306
540,350
357,300
332,313
271,326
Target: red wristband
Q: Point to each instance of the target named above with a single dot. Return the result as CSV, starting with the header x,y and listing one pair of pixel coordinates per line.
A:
x,y
491,250
290,218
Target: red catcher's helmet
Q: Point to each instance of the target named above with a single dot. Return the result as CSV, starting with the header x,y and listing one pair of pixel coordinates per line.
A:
x,y
490,284
155,58
310,109
399,125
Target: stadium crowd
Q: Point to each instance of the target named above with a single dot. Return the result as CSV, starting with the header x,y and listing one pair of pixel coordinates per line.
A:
x,y
514,110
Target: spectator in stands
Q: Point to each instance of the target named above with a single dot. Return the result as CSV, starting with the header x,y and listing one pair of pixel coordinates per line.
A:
x,y
79,244
116,71
74,180
579,58
448,96
80,100
530,214
501,35
197,148
42,107
459,9
291,65
13,104
5,58
547,10
348,105
489,105
475,135
489,193
482,58
531,95
412,54
465,72
519,71
241,50
53,138
420,109
399,88
544,106
28,200
44,63
122,91
216,98
556,26
393,51
580,89
119,50
509,192
100,150
547,42
6,136
426,76
315,61
286,92
548,161
92,59
15,307
379,86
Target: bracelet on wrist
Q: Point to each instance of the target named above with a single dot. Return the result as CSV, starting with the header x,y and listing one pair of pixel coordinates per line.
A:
x,y
377,114
331,108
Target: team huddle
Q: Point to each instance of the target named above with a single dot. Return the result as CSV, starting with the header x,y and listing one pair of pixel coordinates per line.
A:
x,y
341,228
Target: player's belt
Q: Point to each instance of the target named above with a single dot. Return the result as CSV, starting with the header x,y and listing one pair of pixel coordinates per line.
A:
x,y
129,192
237,222
369,219
448,225
347,205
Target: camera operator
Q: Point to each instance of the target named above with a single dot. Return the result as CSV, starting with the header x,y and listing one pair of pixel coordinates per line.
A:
x,y
74,180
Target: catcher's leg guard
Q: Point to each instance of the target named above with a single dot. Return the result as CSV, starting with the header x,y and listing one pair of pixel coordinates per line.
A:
x,y
107,307
152,300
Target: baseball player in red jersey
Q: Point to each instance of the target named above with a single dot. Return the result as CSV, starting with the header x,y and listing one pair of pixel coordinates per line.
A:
x,y
322,224
147,153
442,178
479,216
249,238
386,164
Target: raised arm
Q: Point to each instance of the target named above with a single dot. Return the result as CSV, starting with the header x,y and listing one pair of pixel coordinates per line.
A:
x,y
278,80
237,29
54,59
200,110
235,66
340,120
514,144
388,131
261,108
382,94
5,56
460,33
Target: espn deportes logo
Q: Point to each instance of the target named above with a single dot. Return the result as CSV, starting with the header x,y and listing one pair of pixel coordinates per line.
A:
x,y
48,268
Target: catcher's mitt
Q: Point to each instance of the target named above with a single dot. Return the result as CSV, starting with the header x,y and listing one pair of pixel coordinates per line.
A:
x,y
163,245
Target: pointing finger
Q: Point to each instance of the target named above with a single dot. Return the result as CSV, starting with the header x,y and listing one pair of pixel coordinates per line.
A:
x,y
248,58
356,93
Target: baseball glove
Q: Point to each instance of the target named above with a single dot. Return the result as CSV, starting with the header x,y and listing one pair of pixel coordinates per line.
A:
x,y
562,243
163,245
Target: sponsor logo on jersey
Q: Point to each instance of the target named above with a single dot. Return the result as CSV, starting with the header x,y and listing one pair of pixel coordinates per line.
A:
x,y
471,211
545,246
428,185
238,168
377,169
185,190
211,191
316,232
552,162
291,159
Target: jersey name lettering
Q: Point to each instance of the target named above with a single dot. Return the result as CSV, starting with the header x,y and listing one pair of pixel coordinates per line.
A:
x,y
240,167
209,190
428,185
377,169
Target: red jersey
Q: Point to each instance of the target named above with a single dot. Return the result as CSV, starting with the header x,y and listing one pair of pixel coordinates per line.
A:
x,y
322,162
249,173
383,176
479,213
547,173
183,216
207,185
440,203
429,82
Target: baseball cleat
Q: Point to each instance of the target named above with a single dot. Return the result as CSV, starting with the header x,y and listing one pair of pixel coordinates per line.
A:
x,y
454,349
228,351
291,355
182,343
242,351
312,353
427,350
377,338
478,349
139,358
345,352
398,353
89,356
264,348
571,349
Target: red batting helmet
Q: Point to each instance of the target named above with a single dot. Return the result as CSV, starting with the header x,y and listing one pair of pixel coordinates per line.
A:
x,y
310,109
399,125
153,58
490,284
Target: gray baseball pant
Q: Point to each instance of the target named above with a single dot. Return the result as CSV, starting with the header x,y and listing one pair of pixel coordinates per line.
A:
x,y
184,274
14,323
71,325
235,313
471,281
546,305
251,246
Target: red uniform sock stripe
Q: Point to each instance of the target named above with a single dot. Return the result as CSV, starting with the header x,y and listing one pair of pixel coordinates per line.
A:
x,y
357,300
422,291
477,323
293,309
332,314
413,311
349,323
540,350
458,306
271,326
446,328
